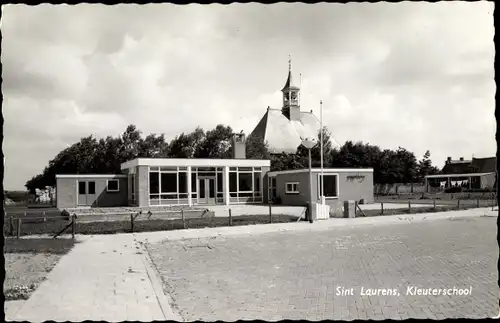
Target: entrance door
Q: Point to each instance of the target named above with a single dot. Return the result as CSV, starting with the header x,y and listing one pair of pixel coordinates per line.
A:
x,y
206,190
86,193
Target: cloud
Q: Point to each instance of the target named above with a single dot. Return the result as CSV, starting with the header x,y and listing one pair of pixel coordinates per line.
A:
x,y
416,75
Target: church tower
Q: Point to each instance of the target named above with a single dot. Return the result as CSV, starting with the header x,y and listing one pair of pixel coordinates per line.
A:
x,y
291,108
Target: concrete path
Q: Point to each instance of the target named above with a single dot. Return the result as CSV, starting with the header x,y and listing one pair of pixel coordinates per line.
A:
x,y
103,278
238,210
111,278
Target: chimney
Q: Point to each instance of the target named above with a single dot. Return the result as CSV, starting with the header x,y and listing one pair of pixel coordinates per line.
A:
x,y
238,143
461,159
448,160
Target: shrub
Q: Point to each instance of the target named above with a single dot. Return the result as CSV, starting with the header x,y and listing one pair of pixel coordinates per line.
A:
x,y
453,190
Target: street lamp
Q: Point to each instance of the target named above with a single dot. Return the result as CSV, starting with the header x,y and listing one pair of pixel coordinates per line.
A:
x,y
309,143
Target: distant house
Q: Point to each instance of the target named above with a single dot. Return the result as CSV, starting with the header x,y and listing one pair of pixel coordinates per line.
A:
x,y
475,174
283,128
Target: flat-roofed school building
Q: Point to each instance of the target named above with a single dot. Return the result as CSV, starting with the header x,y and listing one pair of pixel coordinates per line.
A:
x,y
148,182
291,187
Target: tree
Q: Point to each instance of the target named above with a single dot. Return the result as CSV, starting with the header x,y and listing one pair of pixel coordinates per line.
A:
x,y
216,143
408,163
286,161
185,145
257,148
316,150
153,146
425,166
131,139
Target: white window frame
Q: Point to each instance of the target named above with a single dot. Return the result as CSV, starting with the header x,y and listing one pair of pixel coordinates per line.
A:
x,y
254,198
117,184
336,184
296,191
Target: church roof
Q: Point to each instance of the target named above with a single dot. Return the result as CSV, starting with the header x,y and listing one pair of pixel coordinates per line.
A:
x,y
283,135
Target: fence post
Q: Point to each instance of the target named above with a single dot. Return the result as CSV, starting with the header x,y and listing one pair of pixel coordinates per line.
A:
x,y
270,215
458,204
477,202
230,218
132,223
183,219
382,208
409,206
19,220
355,208
73,226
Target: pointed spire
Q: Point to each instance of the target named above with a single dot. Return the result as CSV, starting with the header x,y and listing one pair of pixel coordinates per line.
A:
x,y
289,82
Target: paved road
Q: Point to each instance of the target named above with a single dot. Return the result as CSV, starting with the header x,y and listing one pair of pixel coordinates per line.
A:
x,y
296,275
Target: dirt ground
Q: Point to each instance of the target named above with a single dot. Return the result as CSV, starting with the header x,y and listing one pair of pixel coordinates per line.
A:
x,y
24,272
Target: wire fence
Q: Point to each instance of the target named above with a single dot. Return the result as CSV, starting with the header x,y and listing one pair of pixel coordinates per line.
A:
x,y
23,224
387,208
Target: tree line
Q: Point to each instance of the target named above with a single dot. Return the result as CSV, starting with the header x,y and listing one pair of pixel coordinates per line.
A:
x,y
104,156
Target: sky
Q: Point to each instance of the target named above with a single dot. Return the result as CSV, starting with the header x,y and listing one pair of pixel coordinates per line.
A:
x,y
412,74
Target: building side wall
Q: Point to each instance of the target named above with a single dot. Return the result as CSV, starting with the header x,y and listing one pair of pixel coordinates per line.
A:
x,y
349,188
299,199
488,181
110,199
356,188
142,176
66,193
352,189
265,184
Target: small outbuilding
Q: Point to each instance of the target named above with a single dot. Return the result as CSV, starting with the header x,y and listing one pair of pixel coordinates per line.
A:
x,y
91,190
291,187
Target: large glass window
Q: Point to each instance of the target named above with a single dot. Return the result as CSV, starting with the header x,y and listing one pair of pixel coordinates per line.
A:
x,y
256,182
169,182
183,188
220,183
245,182
193,183
330,185
233,183
154,183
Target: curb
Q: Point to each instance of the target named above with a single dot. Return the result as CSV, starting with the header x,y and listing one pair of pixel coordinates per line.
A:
x,y
320,225
164,300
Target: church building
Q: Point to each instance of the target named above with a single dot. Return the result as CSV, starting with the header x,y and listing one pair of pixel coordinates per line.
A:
x,y
283,128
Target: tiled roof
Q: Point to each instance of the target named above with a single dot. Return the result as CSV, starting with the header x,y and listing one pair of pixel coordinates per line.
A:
x,y
457,168
477,165
283,135
484,165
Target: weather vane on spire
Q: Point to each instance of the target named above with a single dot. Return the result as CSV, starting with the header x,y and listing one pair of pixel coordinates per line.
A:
x,y
289,62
